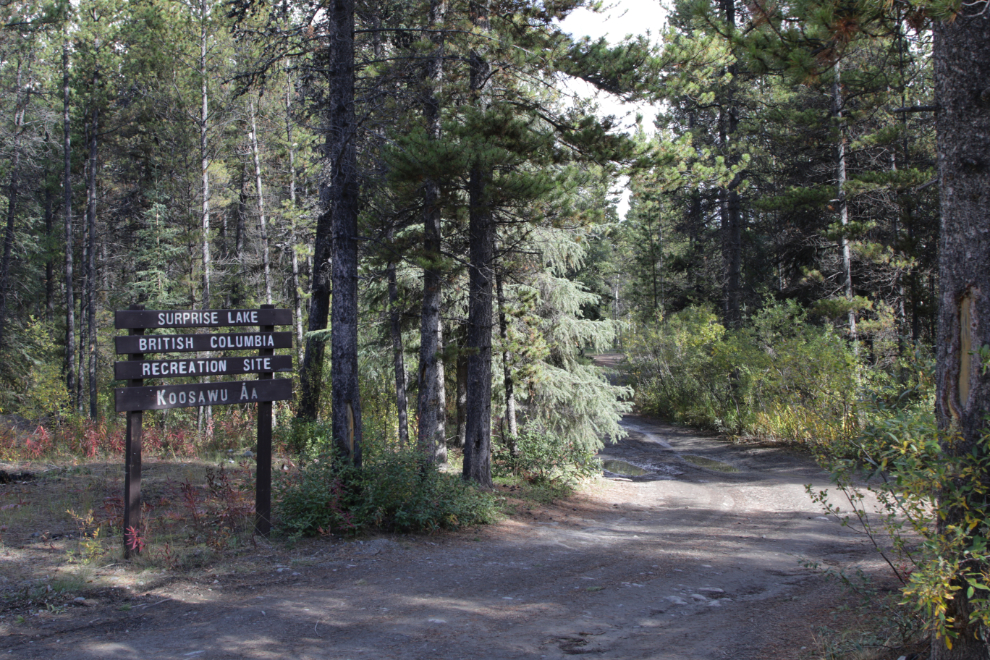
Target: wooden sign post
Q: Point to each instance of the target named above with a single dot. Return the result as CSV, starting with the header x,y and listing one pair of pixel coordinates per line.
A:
x,y
137,397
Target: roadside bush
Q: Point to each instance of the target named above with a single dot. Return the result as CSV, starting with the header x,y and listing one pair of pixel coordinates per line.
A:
x,y
780,378
932,524
392,491
543,458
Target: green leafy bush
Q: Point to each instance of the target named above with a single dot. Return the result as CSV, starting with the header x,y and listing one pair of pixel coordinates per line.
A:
x,y
780,377
932,523
544,458
392,491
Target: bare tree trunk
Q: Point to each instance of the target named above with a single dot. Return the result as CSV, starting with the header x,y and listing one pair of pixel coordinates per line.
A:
x,y
507,382
204,118
962,69
261,206
91,253
344,196
293,237
70,303
337,235
730,210
12,191
841,192
398,361
432,397
462,363
84,302
240,215
481,235
49,243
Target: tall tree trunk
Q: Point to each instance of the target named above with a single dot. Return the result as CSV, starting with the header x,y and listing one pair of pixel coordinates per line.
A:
x,y
8,237
481,236
240,229
398,358
81,378
70,303
49,245
91,254
262,222
293,237
337,236
837,107
344,200
730,207
204,118
962,71
507,382
432,397
462,362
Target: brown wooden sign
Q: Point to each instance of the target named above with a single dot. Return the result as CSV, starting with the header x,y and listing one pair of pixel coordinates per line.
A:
x,y
200,367
137,397
161,397
232,341
199,318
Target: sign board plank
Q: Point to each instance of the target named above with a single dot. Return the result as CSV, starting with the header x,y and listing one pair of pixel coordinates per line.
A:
x,y
207,394
200,367
231,341
199,318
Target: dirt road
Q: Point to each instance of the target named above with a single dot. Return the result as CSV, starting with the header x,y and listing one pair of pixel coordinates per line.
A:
x,y
685,562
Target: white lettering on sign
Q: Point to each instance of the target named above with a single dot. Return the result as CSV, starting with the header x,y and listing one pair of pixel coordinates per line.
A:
x,y
188,318
244,392
257,364
183,368
164,398
242,318
220,342
164,343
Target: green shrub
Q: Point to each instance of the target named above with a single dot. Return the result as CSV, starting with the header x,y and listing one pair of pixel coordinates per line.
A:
x,y
780,378
392,491
544,458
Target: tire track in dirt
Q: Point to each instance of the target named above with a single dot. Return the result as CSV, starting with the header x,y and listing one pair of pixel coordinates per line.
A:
x,y
684,562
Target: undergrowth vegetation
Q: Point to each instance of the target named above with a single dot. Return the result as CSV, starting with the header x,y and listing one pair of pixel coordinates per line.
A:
x,y
395,489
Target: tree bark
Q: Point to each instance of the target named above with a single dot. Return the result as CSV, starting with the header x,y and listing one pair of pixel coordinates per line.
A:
x,y
293,237
507,382
204,157
481,236
462,362
70,303
12,191
262,222
205,411
338,223
840,177
398,361
81,377
730,207
432,397
344,200
49,243
962,92
240,228
91,253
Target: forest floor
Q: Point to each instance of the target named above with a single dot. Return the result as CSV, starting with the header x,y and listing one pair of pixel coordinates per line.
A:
x,y
703,556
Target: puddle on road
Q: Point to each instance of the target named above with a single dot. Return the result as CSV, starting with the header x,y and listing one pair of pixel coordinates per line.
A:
x,y
708,463
621,467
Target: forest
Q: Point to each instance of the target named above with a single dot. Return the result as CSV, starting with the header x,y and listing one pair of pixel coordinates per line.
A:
x,y
418,182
